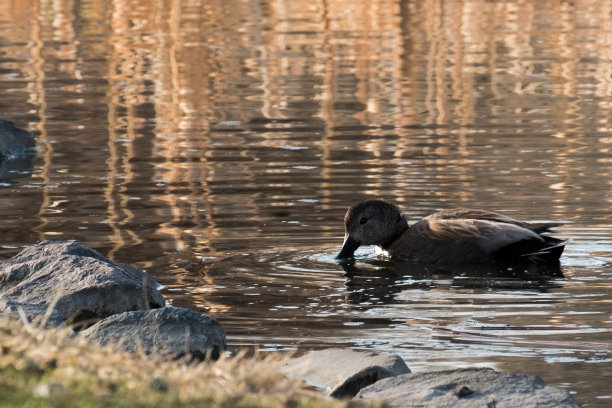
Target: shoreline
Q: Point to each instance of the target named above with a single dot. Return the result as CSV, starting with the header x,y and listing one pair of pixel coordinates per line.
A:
x,y
71,297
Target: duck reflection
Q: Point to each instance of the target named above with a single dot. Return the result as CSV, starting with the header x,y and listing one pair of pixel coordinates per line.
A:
x,y
378,281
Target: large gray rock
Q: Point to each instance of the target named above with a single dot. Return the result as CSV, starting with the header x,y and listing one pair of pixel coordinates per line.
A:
x,y
16,151
78,282
167,330
469,388
343,372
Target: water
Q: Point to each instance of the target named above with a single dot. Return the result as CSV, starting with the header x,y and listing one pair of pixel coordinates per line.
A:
x,y
218,144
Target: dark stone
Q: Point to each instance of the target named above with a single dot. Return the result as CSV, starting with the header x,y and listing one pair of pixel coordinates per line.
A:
x,y
464,392
472,387
17,151
169,330
343,372
76,281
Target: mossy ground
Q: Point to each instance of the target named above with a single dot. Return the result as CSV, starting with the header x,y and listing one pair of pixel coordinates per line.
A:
x,y
52,368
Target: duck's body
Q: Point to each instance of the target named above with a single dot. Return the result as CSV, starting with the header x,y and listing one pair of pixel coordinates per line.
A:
x,y
457,236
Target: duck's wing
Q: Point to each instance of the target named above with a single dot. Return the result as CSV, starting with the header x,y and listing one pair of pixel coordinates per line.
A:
x,y
469,214
489,235
468,241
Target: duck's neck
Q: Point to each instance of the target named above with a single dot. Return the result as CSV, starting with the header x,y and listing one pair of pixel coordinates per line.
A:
x,y
399,231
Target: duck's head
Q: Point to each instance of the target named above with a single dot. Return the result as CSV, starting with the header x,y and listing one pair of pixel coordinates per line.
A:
x,y
371,222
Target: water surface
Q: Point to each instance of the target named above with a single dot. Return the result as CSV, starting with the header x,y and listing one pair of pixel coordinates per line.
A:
x,y
218,144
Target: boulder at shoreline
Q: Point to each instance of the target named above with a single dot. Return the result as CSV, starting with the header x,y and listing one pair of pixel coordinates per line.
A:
x,y
468,388
77,282
343,372
170,330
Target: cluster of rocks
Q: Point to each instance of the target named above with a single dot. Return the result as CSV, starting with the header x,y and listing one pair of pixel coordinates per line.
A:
x,y
374,376
64,283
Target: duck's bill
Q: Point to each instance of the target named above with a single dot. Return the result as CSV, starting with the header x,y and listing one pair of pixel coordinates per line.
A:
x,y
348,248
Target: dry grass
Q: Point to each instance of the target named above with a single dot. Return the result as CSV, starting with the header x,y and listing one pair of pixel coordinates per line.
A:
x,y
50,368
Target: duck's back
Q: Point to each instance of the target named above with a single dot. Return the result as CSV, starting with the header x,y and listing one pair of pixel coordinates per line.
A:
x,y
475,236
470,214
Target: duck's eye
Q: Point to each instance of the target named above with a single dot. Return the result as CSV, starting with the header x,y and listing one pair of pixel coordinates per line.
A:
x,y
363,220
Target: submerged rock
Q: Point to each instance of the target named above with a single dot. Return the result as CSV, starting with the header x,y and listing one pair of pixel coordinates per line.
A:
x,y
16,151
170,330
471,387
76,281
343,372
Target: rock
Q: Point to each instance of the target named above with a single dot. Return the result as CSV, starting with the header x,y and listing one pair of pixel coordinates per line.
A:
x,y
16,151
167,330
471,387
77,281
15,142
343,372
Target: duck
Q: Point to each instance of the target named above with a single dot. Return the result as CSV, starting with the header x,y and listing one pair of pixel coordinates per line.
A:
x,y
452,236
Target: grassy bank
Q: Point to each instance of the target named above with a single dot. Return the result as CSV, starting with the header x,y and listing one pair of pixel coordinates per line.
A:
x,y
46,368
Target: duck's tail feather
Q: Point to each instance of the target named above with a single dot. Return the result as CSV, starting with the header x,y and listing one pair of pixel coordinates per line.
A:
x,y
547,255
534,251
541,227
